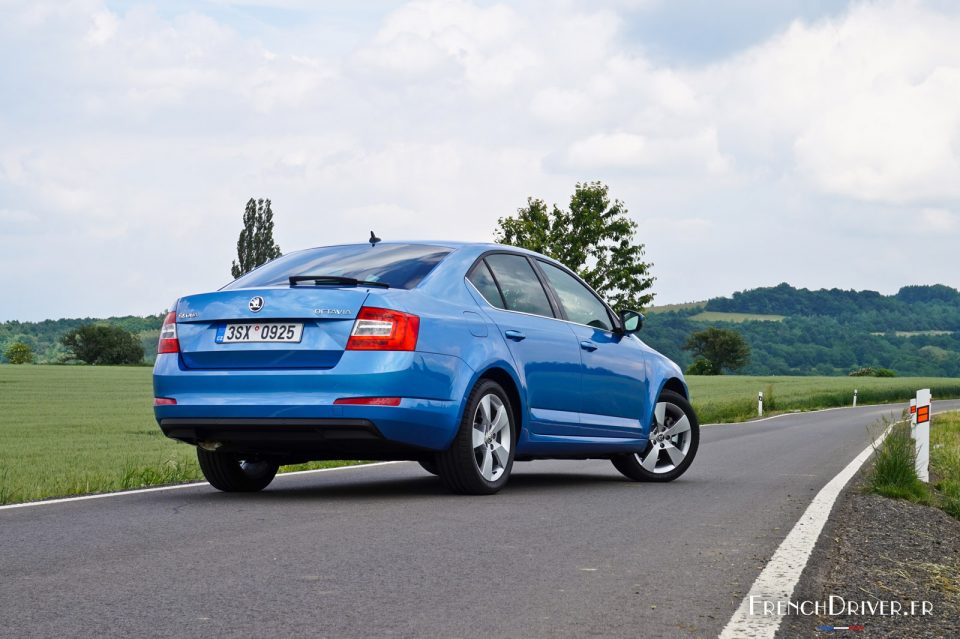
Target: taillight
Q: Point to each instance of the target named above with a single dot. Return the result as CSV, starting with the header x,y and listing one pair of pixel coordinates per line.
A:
x,y
168,335
380,329
164,401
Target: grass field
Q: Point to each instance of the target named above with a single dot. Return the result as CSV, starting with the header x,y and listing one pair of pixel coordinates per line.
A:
x,y
915,333
666,308
68,430
734,398
717,316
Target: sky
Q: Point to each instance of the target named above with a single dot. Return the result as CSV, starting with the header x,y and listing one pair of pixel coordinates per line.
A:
x,y
816,143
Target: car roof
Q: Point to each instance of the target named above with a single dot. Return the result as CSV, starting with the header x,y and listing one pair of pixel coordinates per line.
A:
x,y
478,247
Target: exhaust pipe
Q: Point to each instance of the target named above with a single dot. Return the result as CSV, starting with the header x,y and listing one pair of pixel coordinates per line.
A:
x,y
209,446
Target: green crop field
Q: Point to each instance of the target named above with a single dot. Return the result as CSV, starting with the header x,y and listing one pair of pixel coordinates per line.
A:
x,y
717,316
914,333
68,430
666,308
734,398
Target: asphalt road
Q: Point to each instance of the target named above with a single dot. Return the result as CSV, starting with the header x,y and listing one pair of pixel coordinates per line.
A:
x,y
568,549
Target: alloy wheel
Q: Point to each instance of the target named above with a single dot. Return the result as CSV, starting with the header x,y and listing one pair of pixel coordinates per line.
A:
x,y
492,437
669,439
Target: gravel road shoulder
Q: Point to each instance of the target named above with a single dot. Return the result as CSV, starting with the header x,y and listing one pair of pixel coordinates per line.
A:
x,y
877,549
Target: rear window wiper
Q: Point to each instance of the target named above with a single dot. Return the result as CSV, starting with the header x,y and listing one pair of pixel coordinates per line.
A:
x,y
334,279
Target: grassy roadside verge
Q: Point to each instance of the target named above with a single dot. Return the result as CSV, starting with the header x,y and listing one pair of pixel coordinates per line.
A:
x,y
68,430
894,474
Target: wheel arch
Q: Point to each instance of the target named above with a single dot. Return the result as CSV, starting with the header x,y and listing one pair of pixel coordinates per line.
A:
x,y
676,385
511,387
670,383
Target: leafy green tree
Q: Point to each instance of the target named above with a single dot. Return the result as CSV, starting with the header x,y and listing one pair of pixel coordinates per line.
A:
x,y
255,246
103,344
717,350
594,237
19,353
701,366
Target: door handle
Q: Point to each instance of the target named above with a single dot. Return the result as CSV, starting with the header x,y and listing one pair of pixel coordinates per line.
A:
x,y
587,345
514,335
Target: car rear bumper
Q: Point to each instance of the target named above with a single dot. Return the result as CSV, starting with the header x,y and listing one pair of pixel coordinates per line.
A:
x,y
294,408
290,440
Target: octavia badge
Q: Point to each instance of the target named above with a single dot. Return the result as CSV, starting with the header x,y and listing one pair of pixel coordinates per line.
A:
x,y
255,304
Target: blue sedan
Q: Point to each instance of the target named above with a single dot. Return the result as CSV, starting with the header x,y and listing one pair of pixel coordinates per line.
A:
x,y
463,357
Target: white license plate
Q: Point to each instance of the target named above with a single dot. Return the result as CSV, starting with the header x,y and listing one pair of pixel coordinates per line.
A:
x,y
272,332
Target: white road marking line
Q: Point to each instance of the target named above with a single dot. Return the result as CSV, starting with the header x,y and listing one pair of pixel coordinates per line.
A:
x,y
779,577
156,489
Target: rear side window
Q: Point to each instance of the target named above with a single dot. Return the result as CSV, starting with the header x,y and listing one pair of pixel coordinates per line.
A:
x,y
481,278
580,304
398,265
521,288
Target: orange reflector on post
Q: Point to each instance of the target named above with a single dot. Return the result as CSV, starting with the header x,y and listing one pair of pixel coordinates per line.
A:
x,y
923,414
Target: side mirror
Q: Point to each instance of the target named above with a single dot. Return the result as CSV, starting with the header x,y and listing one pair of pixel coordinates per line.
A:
x,y
632,321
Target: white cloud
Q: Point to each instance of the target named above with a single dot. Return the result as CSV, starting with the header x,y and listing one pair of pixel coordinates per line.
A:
x,y
130,139
623,151
860,106
104,27
934,221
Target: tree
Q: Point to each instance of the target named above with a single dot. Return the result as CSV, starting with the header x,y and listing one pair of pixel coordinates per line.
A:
x,y
103,344
594,237
255,246
716,350
19,353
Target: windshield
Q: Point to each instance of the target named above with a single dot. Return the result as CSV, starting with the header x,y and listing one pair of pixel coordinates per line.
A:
x,y
397,265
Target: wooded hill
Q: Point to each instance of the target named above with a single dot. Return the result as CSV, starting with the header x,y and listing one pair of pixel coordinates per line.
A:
x,y
826,332
790,331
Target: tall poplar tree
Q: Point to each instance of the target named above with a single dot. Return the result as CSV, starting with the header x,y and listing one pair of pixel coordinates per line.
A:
x,y
255,246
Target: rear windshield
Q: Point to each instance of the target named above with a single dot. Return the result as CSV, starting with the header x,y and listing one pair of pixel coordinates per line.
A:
x,y
398,265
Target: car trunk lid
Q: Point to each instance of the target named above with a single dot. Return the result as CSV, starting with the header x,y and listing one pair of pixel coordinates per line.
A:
x,y
325,312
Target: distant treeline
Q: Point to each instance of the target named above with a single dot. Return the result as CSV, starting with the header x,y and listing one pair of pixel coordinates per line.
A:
x,y
825,332
912,308
44,337
830,332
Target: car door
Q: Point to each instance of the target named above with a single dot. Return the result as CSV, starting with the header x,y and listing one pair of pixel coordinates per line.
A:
x,y
544,348
613,387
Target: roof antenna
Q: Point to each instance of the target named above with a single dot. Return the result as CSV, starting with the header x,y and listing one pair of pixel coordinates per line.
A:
x,y
373,239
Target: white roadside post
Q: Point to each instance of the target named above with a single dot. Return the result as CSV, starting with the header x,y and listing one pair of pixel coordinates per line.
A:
x,y
760,404
922,437
854,397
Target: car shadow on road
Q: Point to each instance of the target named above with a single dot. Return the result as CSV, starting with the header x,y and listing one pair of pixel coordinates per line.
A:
x,y
431,487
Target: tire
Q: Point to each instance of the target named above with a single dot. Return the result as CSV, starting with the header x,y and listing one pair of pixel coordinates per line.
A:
x,y
430,466
231,473
481,457
674,440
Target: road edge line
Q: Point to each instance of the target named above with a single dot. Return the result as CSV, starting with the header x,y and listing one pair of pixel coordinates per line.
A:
x,y
156,489
778,579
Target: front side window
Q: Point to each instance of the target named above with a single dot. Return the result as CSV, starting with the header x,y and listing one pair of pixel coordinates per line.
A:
x,y
397,265
579,302
521,288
